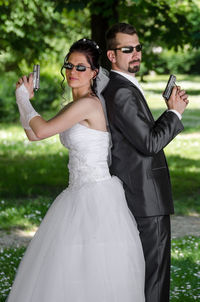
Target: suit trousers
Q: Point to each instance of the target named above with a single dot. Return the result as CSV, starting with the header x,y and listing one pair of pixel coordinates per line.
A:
x,y
155,234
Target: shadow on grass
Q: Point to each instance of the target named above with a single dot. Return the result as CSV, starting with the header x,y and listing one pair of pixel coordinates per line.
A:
x,y
32,176
185,184
185,179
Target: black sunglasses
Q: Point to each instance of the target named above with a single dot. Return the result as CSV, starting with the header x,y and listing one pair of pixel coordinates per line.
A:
x,y
70,66
129,49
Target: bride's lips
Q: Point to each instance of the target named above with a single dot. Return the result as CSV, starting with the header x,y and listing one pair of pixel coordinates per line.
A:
x,y
72,78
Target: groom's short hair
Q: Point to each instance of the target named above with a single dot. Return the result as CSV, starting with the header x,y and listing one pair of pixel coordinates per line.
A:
x,y
124,28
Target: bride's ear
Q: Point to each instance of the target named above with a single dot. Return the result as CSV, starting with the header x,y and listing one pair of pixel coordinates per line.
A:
x,y
95,73
111,56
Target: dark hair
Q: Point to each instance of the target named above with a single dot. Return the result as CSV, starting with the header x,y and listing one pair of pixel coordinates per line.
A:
x,y
91,51
118,28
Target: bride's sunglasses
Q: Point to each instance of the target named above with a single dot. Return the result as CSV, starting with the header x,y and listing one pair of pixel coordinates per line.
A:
x,y
70,66
129,49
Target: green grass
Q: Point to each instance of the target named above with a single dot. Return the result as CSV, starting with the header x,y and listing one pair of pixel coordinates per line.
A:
x,y
184,162
23,213
9,261
185,269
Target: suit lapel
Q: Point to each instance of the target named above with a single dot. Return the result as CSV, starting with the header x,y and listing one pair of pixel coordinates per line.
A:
x,y
116,76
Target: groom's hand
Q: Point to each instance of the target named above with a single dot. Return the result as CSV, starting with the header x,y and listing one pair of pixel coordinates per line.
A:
x,y
178,100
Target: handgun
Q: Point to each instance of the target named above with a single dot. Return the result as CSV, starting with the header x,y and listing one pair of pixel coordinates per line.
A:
x,y
36,77
170,84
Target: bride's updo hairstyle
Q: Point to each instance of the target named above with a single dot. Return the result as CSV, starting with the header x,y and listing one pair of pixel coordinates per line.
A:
x,y
92,53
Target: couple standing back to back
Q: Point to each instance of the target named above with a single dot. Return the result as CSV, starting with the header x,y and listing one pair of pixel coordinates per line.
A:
x,y
88,247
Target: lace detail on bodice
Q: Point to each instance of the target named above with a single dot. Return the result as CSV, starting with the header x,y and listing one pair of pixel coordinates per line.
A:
x,y
88,153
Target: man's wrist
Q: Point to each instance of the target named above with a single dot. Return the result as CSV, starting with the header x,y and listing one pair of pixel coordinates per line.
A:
x,y
176,112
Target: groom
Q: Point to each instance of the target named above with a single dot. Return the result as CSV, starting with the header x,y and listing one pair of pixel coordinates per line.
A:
x,y
137,154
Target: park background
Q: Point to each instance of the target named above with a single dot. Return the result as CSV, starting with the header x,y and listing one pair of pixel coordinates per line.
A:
x,y
33,173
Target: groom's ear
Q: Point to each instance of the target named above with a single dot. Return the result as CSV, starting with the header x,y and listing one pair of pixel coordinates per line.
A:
x,y
111,56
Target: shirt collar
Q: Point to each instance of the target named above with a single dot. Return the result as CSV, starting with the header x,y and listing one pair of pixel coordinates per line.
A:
x,y
130,78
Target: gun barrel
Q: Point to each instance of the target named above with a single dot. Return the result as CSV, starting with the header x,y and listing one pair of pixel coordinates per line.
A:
x,y
36,77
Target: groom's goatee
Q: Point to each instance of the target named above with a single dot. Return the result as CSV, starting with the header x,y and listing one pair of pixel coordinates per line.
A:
x,y
134,69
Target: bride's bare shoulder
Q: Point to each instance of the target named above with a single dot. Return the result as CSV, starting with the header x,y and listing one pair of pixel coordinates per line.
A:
x,y
85,104
92,101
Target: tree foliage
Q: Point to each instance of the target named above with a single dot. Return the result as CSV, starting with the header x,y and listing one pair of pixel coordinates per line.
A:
x,y
103,13
168,24
31,30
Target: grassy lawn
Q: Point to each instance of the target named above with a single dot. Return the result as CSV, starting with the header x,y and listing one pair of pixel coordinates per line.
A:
x,y
33,173
30,168
185,269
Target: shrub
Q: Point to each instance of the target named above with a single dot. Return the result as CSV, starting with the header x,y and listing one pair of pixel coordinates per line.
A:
x,y
48,98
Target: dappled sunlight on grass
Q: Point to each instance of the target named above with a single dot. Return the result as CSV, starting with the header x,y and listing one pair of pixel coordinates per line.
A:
x,y
23,213
14,139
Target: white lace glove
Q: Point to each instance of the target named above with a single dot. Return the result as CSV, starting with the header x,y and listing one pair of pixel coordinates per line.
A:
x,y
26,110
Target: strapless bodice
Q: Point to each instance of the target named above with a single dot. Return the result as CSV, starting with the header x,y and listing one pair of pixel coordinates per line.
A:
x,y
88,154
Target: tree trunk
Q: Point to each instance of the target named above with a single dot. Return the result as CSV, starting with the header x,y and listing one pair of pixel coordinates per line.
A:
x,y
100,24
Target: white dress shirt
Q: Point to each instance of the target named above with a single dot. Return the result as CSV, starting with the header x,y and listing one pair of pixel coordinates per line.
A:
x,y
136,83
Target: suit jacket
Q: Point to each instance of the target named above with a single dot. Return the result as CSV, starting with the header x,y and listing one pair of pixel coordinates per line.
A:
x,y
137,153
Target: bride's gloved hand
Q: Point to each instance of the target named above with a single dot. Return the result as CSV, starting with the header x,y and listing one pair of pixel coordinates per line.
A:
x,y
28,83
23,93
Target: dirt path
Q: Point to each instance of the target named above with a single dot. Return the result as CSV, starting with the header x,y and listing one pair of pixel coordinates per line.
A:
x,y
181,226
185,225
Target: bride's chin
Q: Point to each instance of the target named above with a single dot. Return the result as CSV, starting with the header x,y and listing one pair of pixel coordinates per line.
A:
x,y
72,84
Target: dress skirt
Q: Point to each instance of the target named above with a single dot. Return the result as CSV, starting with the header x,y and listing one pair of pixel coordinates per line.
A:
x,y
87,249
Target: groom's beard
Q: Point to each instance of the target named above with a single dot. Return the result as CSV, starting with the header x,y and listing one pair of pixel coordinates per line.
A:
x,y
134,69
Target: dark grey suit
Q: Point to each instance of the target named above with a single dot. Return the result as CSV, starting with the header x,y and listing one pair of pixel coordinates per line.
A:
x,y
139,161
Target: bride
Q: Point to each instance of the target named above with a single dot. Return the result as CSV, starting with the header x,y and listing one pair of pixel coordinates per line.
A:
x,y
87,248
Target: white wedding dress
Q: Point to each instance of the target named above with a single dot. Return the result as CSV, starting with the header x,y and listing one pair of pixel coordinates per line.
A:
x,y
87,248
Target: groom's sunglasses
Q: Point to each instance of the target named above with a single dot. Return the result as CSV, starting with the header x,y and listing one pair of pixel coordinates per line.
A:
x,y
129,49
70,66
